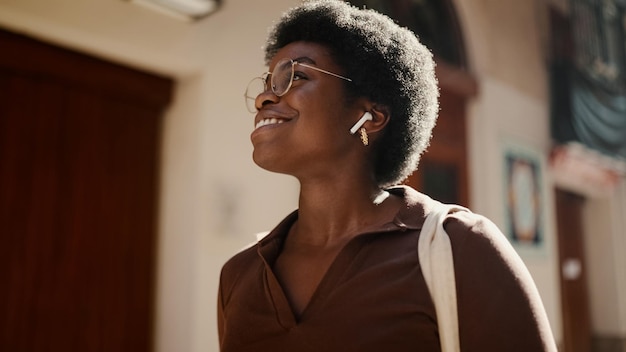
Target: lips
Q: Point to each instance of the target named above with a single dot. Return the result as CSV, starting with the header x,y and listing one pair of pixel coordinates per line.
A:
x,y
270,117
269,121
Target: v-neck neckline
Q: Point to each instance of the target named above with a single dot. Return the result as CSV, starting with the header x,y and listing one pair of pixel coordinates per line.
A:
x,y
269,248
339,264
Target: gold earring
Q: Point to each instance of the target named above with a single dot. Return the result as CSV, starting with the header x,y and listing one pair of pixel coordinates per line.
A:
x,y
364,137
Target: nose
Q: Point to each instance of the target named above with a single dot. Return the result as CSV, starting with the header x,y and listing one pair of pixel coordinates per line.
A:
x,y
266,97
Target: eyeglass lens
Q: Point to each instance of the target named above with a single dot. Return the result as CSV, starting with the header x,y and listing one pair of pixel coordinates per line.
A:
x,y
255,87
282,77
280,81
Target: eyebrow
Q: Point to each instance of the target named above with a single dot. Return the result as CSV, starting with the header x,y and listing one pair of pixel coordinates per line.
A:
x,y
305,60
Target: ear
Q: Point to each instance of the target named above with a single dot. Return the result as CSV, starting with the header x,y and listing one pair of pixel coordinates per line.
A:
x,y
380,119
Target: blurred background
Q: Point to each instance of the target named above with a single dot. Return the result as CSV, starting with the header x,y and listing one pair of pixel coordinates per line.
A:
x,y
126,178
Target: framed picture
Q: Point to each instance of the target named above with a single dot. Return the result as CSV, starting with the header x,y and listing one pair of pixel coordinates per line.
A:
x,y
524,197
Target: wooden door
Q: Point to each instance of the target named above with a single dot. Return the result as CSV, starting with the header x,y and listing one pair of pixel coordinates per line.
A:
x,y
79,141
574,294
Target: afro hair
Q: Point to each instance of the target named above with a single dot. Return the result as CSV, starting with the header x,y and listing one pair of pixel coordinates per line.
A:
x,y
387,64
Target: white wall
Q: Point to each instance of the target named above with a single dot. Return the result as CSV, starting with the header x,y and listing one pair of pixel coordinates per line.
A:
x,y
228,199
233,199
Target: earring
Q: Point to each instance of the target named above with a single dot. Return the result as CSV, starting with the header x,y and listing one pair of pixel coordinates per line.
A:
x,y
364,137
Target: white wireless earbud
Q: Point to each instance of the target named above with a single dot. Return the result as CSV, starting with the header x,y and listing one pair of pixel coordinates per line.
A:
x,y
366,117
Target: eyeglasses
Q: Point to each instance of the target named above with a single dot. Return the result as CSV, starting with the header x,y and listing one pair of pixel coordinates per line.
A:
x,y
280,81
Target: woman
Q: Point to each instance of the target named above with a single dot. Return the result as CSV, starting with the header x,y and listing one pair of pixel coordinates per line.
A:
x,y
347,108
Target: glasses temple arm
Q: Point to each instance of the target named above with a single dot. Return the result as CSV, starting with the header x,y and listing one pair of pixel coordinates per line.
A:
x,y
324,71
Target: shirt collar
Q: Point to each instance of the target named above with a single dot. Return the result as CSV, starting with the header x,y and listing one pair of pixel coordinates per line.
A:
x,y
410,217
416,205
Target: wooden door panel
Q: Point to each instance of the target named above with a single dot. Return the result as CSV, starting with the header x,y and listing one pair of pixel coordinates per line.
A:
x,y
574,293
78,201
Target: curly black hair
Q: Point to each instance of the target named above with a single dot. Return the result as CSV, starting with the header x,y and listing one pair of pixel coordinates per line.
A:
x,y
387,64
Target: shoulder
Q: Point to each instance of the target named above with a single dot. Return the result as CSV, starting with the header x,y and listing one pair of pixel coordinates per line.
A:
x,y
247,262
480,249
250,255
238,264
497,297
470,231
241,259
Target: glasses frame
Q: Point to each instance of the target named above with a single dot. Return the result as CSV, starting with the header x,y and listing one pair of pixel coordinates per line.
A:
x,y
272,86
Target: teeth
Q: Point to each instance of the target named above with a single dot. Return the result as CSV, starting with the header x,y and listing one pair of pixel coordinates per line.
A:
x,y
266,122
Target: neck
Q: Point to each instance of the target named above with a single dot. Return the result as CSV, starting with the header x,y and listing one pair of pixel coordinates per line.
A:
x,y
333,213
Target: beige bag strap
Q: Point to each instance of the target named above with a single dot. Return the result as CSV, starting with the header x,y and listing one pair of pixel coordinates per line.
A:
x,y
435,258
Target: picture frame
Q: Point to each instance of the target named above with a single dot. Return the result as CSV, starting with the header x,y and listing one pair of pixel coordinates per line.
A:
x,y
524,197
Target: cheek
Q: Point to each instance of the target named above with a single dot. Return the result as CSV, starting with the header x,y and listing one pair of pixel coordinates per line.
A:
x,y
323,110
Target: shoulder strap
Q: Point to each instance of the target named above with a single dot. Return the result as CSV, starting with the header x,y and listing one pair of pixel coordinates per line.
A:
x,y
435,258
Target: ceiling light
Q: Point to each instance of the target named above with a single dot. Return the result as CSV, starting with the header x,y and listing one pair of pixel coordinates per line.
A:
x,y
188,10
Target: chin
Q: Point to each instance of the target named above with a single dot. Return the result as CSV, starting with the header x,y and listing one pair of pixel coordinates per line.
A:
x,y
272,164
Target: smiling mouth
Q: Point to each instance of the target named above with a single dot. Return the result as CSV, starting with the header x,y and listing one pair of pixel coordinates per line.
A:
x,y
266,122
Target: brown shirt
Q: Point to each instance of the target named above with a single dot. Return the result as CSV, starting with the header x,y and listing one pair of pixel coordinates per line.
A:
x,y
374,298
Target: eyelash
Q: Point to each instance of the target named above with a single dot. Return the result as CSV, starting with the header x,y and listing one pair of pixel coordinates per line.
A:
x,y
297,75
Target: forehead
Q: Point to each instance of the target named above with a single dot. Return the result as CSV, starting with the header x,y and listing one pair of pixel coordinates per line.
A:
x,y
306,52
